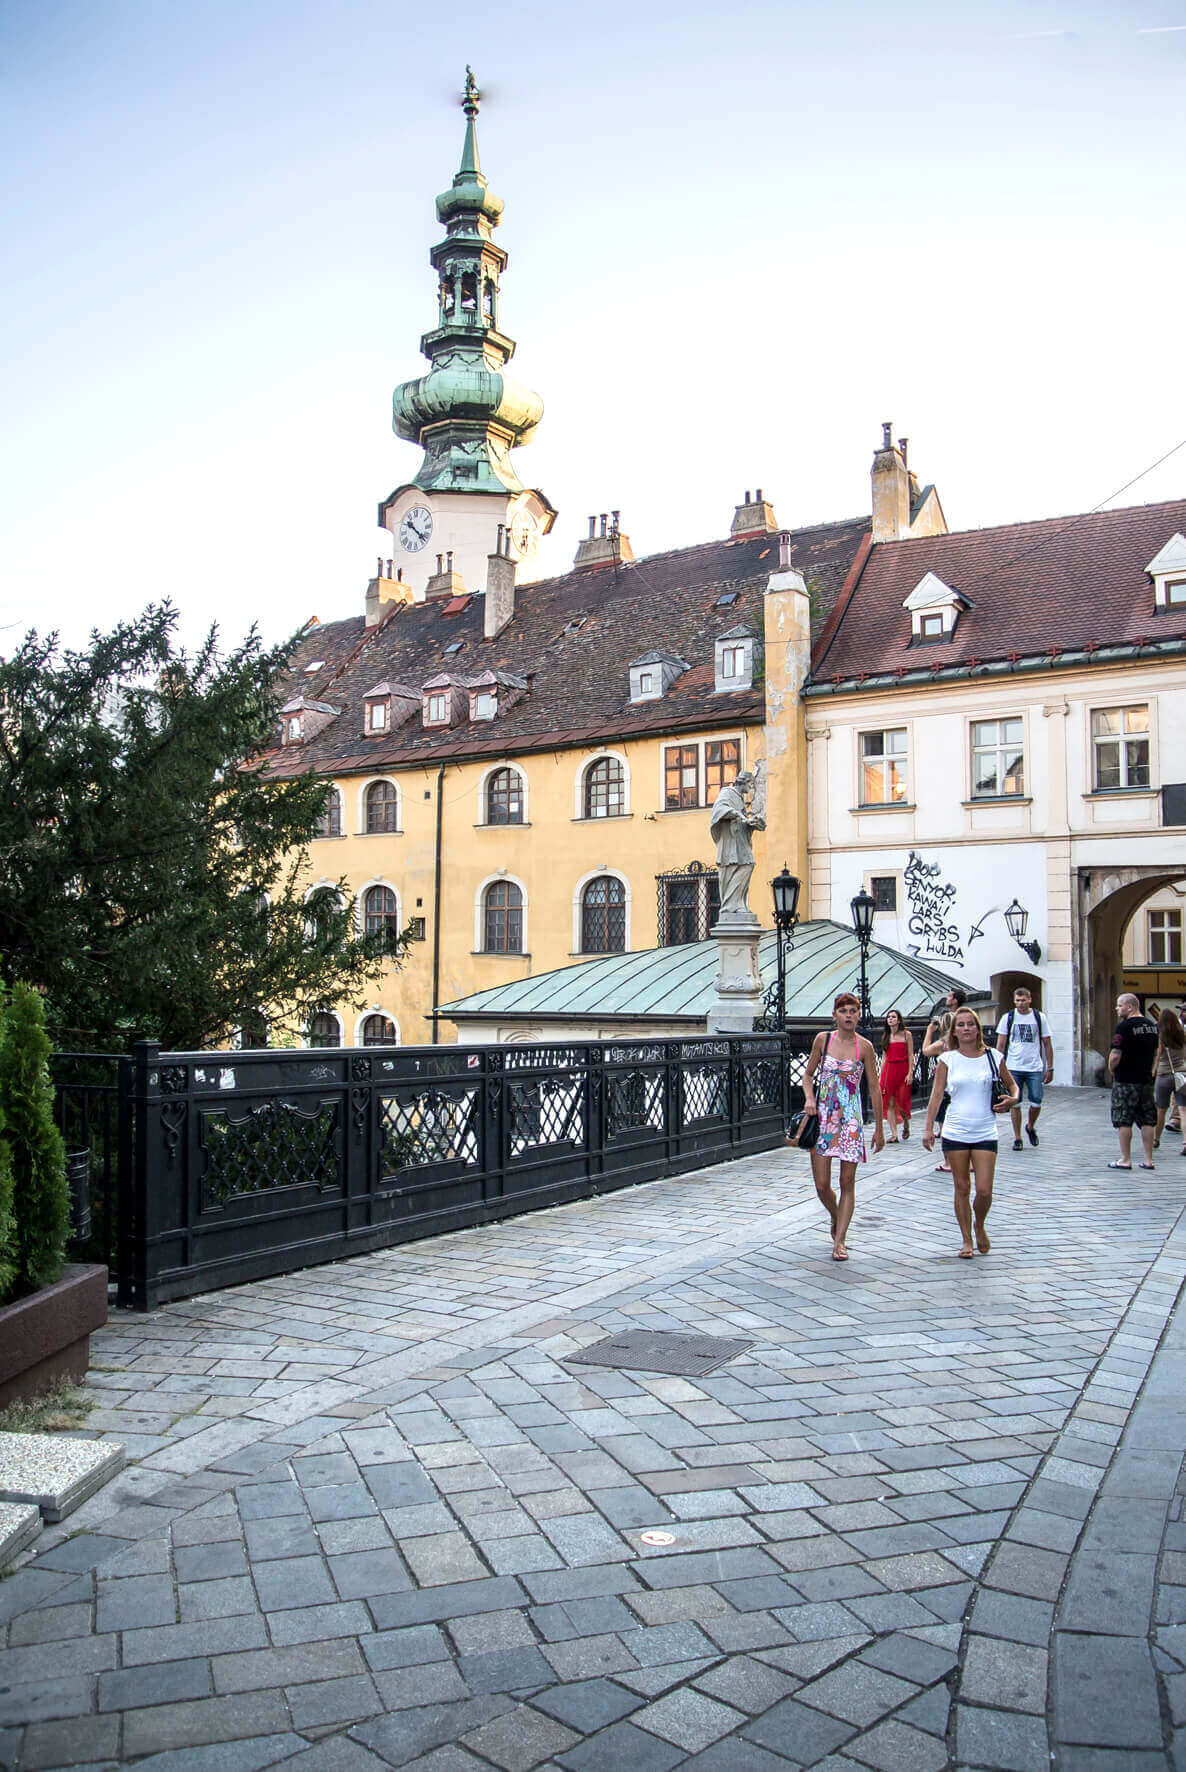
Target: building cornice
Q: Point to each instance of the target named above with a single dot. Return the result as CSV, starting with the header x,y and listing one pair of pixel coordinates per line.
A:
x,y
1018,665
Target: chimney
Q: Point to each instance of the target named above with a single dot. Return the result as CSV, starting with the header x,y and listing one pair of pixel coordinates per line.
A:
x,y
754,517
500,586
891,489
385,590
605,543
445,582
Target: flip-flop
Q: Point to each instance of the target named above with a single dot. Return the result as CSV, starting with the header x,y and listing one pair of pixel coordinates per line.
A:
x,y
1147,1165
1121,1165
840,1255
965,1255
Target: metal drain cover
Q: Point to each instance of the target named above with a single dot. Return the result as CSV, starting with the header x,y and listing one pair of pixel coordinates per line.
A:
x,y
651,1350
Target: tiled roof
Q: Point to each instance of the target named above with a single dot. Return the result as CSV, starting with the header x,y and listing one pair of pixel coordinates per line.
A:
x,y
579,682
1064,584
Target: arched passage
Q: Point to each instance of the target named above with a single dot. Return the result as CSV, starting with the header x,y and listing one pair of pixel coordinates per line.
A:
x,y
1108,899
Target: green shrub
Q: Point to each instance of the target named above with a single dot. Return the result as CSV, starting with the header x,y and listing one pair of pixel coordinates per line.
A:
x,y
39,1219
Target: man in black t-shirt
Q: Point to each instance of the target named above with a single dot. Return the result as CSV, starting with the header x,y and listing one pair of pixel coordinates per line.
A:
x,y
1134,1048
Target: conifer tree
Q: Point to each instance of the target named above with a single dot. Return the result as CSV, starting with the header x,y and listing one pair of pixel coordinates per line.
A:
x,y
153,871
40,1217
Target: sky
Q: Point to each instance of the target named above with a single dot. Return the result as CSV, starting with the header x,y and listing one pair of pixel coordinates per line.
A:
x,y
740,238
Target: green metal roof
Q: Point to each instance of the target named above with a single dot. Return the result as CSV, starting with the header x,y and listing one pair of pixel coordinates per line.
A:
x,y
677,983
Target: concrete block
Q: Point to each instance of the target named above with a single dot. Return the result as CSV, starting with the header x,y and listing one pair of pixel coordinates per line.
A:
x,y
54,1472
19,1525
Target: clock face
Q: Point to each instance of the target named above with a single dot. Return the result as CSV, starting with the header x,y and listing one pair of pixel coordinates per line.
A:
x,y
524,532
415,529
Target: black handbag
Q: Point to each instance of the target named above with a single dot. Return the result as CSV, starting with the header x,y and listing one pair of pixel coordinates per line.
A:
x,y
803,1130
1000,1093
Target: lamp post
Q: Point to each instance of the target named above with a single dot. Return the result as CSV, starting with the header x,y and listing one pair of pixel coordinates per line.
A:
x,y
863,907
1016,922
785,888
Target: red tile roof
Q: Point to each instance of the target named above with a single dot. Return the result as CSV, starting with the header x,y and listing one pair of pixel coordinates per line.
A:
x,y
579,682
1064,584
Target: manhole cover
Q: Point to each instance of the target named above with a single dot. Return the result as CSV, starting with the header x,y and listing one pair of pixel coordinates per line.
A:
x,y
651,1350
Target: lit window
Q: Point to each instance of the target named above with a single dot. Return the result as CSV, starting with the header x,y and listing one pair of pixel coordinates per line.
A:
x,y
681,776
382,808
722,760
380,912
377,1030
330,822
1165,938
1120,740
998,759
603,916
503,918
605,789
324,1029
883,767
438,710
504,797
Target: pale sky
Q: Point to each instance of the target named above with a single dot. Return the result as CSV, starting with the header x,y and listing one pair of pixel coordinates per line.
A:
x,y
739,238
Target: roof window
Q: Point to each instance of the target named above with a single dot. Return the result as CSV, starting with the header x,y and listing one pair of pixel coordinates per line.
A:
x,y
734,661
453,646
576,624
1168,572
725,599
311,670
653,674
934,609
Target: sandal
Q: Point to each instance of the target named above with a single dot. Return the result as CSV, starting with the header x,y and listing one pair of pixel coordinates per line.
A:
x,y
840,1253
905,1133
1146,1165
1119,1165
966,1254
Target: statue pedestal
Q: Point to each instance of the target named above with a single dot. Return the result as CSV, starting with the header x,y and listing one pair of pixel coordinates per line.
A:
x,y
738,1001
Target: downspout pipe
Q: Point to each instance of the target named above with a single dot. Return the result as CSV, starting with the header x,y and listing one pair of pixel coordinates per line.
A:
x,y
436,907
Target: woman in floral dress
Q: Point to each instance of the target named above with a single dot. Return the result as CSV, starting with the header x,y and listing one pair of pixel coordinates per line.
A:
x,y
832,1089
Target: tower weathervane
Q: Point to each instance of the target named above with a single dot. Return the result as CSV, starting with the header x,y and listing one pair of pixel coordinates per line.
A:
x,y
469,103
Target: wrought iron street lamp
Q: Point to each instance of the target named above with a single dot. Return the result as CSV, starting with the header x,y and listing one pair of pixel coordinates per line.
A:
x,y
1016,922
786,890
863,907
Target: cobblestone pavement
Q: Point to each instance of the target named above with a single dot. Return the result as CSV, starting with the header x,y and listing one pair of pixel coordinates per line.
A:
x,y
373,1516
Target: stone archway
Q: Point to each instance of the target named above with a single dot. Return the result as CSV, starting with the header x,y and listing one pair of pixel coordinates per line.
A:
x,y
1106,900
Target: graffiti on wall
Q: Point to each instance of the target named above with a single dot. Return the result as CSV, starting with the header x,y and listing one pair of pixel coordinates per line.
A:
x,y
930,910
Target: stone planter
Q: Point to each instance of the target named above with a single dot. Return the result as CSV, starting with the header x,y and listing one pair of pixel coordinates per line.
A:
x,y
48,1335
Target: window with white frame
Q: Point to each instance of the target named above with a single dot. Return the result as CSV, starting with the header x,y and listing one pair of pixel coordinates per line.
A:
x,y
884,778
292,729
646,682
605,789
379,1030
1175,592
377,715
380,912
603,916
504,797
1165,938
324,1029
695,773
1120,746
998,759
502,918
382,808
330,822
484,705
436,708
732,661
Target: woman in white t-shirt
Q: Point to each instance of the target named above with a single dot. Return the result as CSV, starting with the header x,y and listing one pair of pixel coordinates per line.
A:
x,y
965,1074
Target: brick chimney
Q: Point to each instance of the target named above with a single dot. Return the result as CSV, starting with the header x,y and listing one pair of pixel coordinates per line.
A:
x,y
385,589
754,517
445,581
500,586
891,489
603,545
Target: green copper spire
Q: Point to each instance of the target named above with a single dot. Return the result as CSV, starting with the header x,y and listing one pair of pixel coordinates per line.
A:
x,y
465,413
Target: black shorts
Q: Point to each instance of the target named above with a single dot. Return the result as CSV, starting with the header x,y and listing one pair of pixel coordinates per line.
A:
x,y
1133,1104
958,1144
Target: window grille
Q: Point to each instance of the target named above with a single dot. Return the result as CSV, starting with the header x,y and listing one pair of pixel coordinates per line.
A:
x,y
689,904
605,789
504,797
603,916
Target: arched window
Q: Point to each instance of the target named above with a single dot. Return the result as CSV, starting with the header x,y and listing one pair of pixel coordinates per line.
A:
x,y
504,797
382,803
503,918
605,789
377,1030
324,1029
322,906
380,912
603,916
330,822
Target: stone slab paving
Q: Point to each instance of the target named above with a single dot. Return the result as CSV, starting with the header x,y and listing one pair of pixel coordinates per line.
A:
x,y
371,1517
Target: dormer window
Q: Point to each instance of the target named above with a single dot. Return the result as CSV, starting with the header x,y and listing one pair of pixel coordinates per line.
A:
x,y
377,714
1168,572
734,659
934,608
483,704
292,729
652,675
646,682
436,709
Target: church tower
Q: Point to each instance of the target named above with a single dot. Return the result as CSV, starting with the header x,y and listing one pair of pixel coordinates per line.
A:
x,y
466,503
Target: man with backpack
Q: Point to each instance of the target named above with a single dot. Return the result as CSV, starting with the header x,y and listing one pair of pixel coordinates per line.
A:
x,y
1024,1037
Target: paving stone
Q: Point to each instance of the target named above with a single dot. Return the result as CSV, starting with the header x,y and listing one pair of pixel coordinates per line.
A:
x,y
1105,1692
404,1648
587,1705
135,1601
312,1624
798,1732
921,1570
856,1692
451,1600
520,1739
689,1719
748,1685
216,1599
204,1721
178,1642
621,1746
54,1472
282,1535
448,1557
74,1741
137,1687
1011,1676
929,1711
207,1562
586,1656
1110,1591
735,1755
345,1700
896,1747
505,1670
911,1658
1013,1617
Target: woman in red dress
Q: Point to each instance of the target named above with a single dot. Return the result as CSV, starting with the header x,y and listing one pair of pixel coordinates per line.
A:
x,y
897,1073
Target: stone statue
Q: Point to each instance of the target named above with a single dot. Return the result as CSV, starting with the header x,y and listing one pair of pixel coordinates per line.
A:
x,y
730,824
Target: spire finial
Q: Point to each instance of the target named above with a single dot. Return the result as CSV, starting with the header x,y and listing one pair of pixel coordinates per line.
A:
x,y
471,166
469,103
